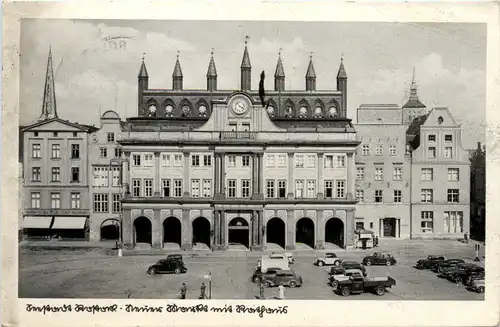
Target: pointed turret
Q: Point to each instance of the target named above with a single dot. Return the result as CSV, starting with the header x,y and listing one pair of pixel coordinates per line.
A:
x,y
143,72
279,75
342,87
246,69
413,108
142,85
212,74
310,76
341,74
177,75
49,108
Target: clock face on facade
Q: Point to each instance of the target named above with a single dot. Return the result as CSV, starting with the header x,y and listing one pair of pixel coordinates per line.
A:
x,y
239,106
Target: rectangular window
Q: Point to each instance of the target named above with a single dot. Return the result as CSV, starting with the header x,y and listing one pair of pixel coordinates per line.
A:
x,y
75,151
111,137
116,205
177,160
35,200
231,161
55,200
397,173
311,161
340,161
56,151
448,138
270,188
378,196
366,149
311,189
360,195
245,161
328,189
118,152
453,195
165,183
115,175
299,161
166,160
103,152
379,150
136,160
36,175
245,188
341,189
233,127
426,196
75,200
36,151
75,134
299,189
453,222
282,160
231,188
398,198
360,225
453,174
360,173
328,161
427,221
392,150
136,187
448,152
432,138
56,174
148,160
75,174
195,160
431,153
100,176
207,188
101,203
207,160
282,189
55,134
35,134
195,188
148,187
245,127
379,174
270,160
426,174
177,188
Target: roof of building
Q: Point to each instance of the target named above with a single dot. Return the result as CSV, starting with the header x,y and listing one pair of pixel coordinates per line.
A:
x,y
341,73
83,127
280,72
212,71
245,62
310,69
143,72
413,100
110,114
177,69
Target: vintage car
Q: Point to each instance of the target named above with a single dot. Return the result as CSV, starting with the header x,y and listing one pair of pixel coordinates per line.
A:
x,y
478,285
258,275
335,279
447,263
340,270
470,279
287,255
328,259
463,271
379,259
285,277
430,262
358,285
166,266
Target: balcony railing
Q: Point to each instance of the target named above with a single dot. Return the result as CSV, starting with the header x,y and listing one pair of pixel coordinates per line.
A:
x,y
238,135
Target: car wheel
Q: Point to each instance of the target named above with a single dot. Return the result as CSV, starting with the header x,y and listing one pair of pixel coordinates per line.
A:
x,y
380,291
267,284
320,263
337,263
335,284
152,271
255,279
480,289
369,263
292,284
346,291
387,263
177,271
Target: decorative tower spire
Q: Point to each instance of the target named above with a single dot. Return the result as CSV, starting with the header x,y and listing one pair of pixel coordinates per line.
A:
x,y
342,73
279,75
211,73
49,108
177,75
142,85
143,72
246,69
342,87
310,76
413,108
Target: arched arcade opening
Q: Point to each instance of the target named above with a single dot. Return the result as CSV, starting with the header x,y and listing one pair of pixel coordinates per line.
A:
x,y
201,231
172,231
276,231
239,232
142,230
110,230
334,232
304,232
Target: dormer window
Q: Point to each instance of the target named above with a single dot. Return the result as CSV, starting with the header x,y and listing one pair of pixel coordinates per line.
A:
x,y
302,112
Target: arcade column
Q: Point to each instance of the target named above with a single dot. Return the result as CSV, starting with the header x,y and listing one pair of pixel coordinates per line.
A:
x,y
350,227
157,238
186,230
320,230
127,230
290,230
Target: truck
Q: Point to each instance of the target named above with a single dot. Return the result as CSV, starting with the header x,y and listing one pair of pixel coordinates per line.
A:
x,y
335,279
358,284
265,262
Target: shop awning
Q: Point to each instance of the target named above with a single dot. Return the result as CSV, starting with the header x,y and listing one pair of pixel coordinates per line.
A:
x,y
69,222
40,222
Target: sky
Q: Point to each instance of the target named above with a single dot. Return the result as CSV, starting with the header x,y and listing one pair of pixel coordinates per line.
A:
x,y
92,76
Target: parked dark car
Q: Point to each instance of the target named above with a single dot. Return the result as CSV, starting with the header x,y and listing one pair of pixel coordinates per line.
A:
x,y
463,271
472,278
287,277
430,262
340,270
447,263
167,266
173,257
258,274
358,284
379,259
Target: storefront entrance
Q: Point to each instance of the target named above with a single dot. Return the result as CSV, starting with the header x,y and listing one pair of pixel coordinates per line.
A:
x,y
389,227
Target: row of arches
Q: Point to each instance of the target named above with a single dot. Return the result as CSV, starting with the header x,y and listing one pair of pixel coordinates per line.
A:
x,y
184,108
238,231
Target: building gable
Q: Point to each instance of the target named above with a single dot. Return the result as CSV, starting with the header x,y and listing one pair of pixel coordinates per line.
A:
x,y
440,117
56,124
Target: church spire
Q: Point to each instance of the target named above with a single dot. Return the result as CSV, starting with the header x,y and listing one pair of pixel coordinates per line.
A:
x,y
245,62
310,76
177,75
413,100
341,73
246,69
49,108
212,74
279,75
143,72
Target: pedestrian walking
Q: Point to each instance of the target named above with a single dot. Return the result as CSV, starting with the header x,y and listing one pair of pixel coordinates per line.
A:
x,y
281,292
203,294
183,291
261,288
